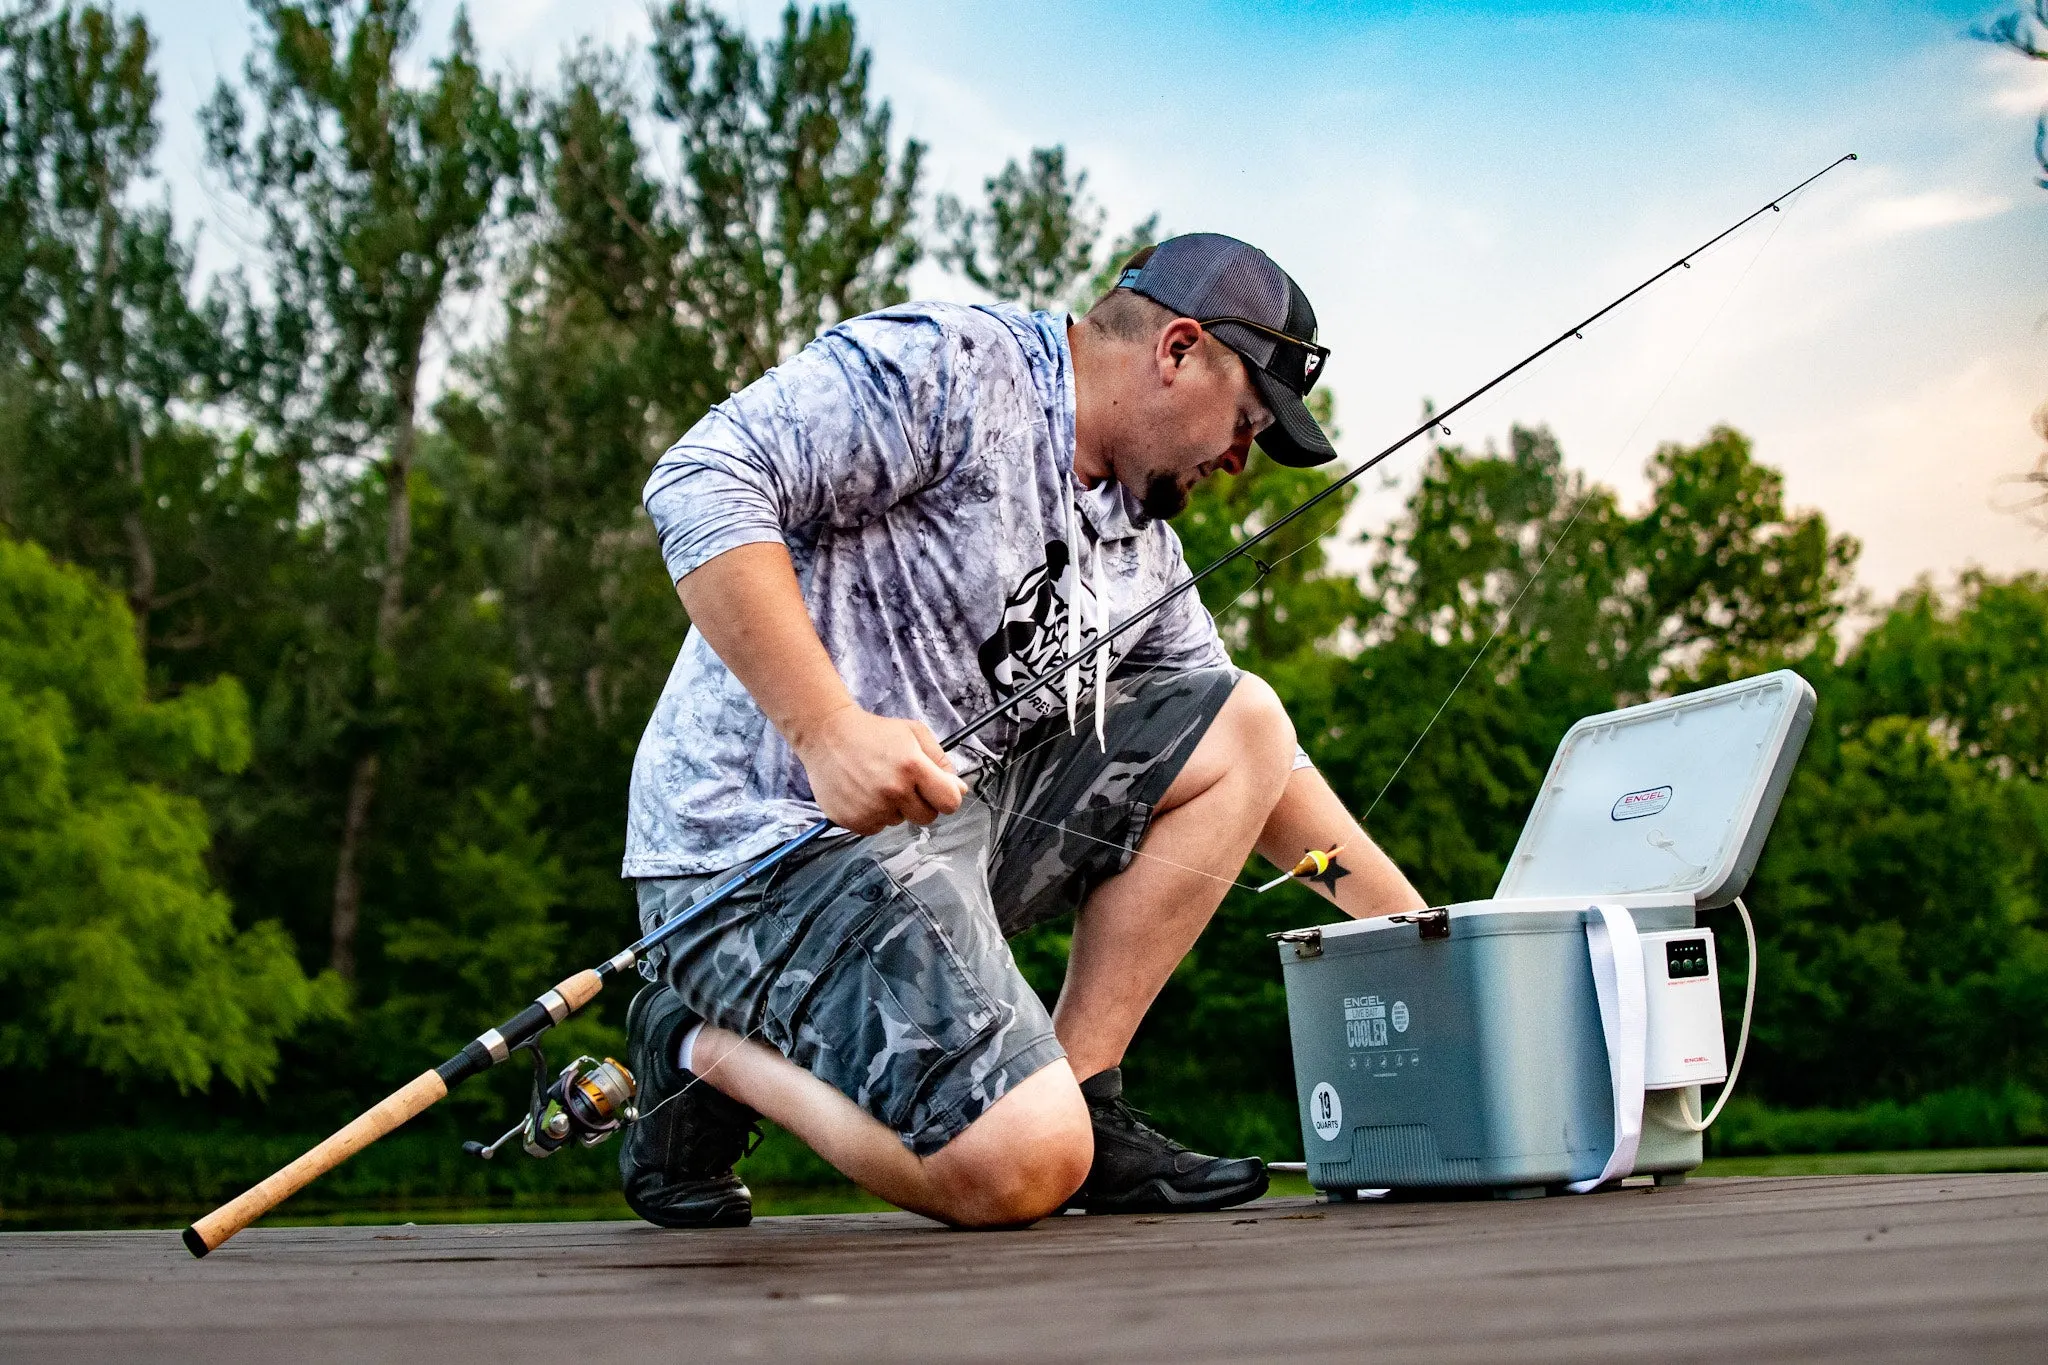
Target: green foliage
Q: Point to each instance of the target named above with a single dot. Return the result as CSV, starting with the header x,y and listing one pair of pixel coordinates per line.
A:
x,y
1033,241
118,953
1907,946
381,198
100,337
797,208
1965,1116
1975,666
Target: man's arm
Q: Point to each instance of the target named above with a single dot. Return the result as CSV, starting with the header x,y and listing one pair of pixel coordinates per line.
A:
x,y
866,771
1361,881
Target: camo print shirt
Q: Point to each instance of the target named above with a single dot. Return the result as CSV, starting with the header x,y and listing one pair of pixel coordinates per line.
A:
x,y
918,463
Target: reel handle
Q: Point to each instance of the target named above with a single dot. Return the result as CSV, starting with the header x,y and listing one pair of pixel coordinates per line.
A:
x,y
419,1094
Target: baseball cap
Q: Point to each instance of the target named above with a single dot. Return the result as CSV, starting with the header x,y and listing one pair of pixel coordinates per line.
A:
x,y
1256,309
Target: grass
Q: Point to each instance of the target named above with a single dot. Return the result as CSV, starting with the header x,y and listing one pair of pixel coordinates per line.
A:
x,y
1951,1161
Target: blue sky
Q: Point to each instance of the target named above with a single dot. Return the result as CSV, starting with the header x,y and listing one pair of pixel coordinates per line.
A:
x,y
1453,186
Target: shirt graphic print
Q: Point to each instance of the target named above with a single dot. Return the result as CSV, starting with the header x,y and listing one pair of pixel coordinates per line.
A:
x,y
918,465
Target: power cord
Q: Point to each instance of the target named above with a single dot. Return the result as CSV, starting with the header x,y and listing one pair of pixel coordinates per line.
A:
x,y
1742,1042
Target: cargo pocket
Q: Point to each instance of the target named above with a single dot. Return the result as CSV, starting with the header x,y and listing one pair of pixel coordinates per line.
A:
x,y
874,996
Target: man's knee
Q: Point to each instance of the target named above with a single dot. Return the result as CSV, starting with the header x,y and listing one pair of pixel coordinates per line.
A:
x,y
1260,719
1021,1160
1251,740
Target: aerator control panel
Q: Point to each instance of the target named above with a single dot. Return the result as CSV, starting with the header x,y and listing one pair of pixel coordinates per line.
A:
x,y
1685,958
1683,996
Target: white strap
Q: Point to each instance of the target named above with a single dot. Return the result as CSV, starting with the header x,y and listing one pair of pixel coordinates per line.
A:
x,y
1101,655
1617,957
1073,594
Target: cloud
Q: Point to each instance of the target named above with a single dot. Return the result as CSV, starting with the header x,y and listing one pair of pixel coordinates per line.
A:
x,y
1902,213
1920,477
2019,87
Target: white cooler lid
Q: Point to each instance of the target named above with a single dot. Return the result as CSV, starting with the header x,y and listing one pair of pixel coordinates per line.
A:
x,y
1674,795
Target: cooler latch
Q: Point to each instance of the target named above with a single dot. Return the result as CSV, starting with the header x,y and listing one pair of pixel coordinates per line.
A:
x,y
1307,942
1434,922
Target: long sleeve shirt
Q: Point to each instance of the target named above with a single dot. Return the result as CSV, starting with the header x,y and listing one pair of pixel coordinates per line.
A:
x,y
918,464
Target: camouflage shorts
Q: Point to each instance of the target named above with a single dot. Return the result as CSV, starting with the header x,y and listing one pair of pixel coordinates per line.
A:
x,y
879,963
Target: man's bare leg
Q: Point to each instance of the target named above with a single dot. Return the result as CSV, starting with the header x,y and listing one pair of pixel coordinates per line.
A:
x,y
1239,790
1137,926
1015,1164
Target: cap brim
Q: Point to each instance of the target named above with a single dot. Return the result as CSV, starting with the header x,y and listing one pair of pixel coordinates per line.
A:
x,y
1294,438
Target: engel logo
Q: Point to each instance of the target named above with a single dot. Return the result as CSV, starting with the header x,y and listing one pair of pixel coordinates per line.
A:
x,y
1635,805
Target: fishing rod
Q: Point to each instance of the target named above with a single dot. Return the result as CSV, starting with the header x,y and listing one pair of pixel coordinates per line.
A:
x,y
588,1101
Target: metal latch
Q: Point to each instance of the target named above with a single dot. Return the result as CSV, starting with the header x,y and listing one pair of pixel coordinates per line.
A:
x,y
1307,942
1434,922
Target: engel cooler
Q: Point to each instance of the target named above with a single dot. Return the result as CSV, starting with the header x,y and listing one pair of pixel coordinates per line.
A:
x,y
1557,1034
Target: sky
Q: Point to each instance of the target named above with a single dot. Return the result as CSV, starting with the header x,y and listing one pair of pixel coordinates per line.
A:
x,y
1453,186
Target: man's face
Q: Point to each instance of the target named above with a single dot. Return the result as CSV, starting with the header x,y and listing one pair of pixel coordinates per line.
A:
x,y
1198,415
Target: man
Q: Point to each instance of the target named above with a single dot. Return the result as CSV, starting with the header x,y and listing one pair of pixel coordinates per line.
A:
x,y
876,540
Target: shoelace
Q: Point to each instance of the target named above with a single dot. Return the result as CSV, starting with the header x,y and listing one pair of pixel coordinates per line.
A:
x,y
1131,1119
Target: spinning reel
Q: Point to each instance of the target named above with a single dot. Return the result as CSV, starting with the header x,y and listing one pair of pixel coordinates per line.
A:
x,y
588,1100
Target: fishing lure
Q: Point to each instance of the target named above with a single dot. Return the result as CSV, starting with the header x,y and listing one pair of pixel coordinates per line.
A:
x,y
1314,863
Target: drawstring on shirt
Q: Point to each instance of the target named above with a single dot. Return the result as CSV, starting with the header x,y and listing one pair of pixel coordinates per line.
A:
x,y
1102,658
1074,637
1073,586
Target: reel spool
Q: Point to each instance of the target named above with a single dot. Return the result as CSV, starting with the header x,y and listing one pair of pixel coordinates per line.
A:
x,y
587,1101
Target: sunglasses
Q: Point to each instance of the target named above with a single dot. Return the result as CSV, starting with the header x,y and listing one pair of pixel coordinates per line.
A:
x,y
1296,363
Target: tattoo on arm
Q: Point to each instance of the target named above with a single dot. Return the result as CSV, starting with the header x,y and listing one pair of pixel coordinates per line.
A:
x,y
1327,878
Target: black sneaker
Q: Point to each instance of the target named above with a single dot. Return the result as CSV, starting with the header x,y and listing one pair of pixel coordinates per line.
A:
x,y
677,1160
1139,1169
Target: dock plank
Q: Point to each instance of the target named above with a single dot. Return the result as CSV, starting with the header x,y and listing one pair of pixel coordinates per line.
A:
x,y
1818,1268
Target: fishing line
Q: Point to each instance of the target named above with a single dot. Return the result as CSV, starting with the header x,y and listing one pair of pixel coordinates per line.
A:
x,y
1507,615
1266,570
1435,422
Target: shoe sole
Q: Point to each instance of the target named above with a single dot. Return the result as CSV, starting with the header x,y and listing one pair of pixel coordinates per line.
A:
x,y
733,1211
1156,1196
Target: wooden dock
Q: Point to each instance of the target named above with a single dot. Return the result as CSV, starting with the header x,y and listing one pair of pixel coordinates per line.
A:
x,y
1869,1268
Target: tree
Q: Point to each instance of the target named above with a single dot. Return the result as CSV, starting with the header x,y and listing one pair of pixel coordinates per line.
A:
x,y
1033,242
380,198
798,212
1973,664
2025,31
1909,878
99,336
598,367
115,951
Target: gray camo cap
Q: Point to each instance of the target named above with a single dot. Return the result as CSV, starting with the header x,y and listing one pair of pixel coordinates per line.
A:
x,y
1256,309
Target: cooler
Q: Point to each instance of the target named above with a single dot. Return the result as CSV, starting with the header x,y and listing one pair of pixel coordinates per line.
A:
x,y
1542,1039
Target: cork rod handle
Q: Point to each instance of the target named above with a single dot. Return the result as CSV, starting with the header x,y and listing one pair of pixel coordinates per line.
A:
x,y
416,1096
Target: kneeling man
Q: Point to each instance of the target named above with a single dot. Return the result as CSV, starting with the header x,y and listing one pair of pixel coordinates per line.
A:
x,y
875,541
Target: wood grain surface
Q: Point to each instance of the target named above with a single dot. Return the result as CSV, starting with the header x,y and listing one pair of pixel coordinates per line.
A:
x,y
1867,1268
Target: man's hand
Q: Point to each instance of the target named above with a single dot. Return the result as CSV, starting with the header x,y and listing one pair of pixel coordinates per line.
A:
x,y
869,772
